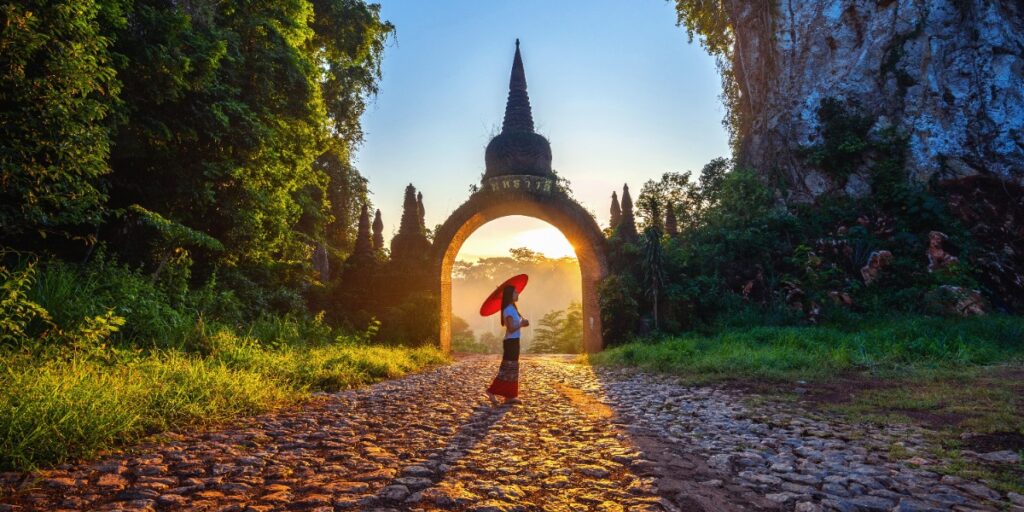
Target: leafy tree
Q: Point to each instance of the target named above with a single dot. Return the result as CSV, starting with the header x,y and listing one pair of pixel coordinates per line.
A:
x,y
671,226
463,340
649,207
58,86
619,307
559,332
347,191
239,120
653,268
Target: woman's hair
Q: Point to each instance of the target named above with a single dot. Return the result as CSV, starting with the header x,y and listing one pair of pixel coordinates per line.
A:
x,y
506,299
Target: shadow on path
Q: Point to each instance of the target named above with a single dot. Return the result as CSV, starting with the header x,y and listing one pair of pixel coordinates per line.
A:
x,y
420,476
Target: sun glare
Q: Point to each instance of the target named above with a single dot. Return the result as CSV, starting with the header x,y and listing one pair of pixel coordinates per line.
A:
x,y
546,240
497,237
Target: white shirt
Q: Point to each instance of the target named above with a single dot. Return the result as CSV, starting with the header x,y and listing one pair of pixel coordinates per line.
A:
x,y
510,311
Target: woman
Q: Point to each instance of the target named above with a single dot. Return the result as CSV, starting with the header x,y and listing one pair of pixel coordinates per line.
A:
x,y
506,383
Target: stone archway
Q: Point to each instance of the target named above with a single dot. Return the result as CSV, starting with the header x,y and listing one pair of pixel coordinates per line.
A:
x,y
532,196
519,180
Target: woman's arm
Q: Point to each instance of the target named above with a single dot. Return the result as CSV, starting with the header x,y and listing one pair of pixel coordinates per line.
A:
x,y
511,325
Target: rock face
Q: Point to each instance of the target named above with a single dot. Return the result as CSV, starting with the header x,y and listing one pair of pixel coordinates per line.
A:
x,y
948,73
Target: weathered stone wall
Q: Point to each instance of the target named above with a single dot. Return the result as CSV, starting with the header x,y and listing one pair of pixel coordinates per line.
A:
x,y
948,73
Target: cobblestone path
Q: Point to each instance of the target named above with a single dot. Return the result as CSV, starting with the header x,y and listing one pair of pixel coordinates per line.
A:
x,y
606,441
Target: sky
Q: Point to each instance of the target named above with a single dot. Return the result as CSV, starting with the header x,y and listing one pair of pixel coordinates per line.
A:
x,y
614,86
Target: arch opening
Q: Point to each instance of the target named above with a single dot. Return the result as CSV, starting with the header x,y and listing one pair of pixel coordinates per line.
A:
x,y
561,212
493,253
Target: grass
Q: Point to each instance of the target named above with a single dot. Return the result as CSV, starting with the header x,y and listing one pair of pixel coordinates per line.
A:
x,y
983,402
953,377
55,409
93,357
886,347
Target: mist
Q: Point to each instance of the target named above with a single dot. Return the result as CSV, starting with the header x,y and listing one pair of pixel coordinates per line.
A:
x,y
554,284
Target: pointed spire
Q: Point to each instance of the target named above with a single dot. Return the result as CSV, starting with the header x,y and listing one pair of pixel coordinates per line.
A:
x,y
518,116
378,232
616,212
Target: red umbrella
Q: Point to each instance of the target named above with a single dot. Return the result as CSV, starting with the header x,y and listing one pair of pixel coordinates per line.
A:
x,y
493,302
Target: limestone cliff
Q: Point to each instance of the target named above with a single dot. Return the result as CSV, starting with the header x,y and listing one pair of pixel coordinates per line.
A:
x,y
948,73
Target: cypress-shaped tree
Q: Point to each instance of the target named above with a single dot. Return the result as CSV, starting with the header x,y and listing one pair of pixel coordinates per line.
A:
x,y
422,212
364,245
627,226
378,232
616,212
671,225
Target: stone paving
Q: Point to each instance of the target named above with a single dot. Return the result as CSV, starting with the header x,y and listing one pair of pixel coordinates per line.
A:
x,y
609,440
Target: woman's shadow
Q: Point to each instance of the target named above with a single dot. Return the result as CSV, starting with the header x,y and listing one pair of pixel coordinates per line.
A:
x,y
460,444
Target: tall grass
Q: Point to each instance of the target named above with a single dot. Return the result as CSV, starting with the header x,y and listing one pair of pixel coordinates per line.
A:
x,y
53,409
908,345
95,357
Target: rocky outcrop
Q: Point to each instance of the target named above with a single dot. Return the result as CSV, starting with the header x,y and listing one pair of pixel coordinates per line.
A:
x,y
949,74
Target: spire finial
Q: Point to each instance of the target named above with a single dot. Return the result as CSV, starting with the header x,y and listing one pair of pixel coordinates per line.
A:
x,y
518,117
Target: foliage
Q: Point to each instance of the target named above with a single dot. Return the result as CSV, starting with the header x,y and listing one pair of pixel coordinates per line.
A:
x,y
690,202
17,311
559,331
26,325
55,409
99,355
465,342
221,132
742,258
653,266
173,233
883,346
58,86
844,140
620,309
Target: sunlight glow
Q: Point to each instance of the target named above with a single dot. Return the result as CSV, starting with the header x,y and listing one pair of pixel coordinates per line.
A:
x,y
495,238
546,240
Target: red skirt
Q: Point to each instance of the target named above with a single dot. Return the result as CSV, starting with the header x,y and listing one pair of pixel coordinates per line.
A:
x,y
506,384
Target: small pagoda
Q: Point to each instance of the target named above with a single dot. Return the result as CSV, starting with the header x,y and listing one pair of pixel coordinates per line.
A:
x,y
518,158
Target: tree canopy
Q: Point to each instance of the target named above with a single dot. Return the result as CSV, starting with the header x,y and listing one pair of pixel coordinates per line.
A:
x,y
232,120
